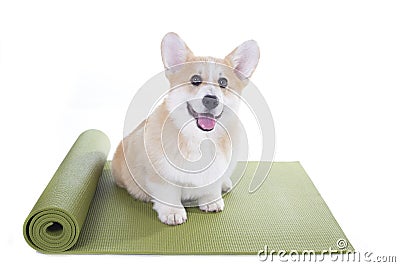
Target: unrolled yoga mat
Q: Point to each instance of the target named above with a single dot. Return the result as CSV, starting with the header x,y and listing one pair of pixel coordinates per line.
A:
x,y
81,211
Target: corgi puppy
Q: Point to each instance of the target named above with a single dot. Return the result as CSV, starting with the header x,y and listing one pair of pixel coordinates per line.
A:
x,y
184,153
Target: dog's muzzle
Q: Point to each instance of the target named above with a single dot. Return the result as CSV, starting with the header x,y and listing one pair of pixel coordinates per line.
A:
x,y
205,121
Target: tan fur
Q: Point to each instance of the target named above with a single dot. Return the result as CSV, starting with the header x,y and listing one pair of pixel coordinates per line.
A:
x,y
122,174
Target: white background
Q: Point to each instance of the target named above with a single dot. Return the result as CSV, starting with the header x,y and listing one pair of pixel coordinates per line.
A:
x,y
329,71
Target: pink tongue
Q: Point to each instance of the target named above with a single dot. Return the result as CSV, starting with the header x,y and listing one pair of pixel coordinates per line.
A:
x,y
206,123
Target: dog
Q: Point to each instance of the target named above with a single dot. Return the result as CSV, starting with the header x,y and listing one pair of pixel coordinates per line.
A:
x,y
183,153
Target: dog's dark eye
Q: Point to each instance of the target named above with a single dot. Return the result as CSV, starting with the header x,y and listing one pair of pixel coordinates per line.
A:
x,y
196,80
223,82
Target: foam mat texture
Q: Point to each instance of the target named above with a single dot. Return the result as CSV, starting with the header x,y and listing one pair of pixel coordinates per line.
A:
x,y
82,211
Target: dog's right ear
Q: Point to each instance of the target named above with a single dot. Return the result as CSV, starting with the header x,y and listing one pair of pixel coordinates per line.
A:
x,y
174,51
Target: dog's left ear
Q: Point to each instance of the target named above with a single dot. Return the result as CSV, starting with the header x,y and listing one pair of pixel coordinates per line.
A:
x,y
244,59
174,51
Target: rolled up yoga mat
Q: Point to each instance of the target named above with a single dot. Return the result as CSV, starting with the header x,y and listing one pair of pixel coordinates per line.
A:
x,y
57,218
82,211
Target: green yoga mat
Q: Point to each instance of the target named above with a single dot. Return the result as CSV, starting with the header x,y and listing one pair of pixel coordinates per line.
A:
x,y
81,211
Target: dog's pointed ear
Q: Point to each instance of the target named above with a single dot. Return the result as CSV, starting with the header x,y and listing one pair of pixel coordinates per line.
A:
x,y
174,51
244,59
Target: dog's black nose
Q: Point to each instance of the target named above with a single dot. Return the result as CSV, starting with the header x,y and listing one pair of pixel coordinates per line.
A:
x,y
210,101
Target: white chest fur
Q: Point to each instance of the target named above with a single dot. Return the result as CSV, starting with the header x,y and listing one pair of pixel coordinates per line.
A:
x,y
194,158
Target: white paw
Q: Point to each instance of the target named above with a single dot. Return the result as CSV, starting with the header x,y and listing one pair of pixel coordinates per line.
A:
x,y
172,216
213,206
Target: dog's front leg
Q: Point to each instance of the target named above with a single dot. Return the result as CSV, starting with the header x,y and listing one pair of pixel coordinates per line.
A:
x,y
167,203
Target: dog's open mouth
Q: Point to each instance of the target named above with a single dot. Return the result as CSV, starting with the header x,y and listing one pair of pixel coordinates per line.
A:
x,y
205,121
